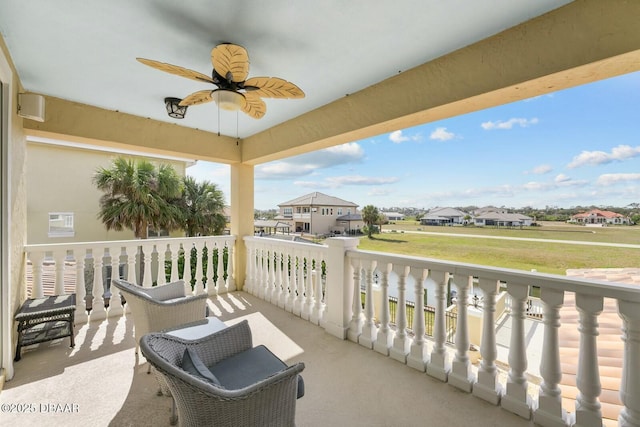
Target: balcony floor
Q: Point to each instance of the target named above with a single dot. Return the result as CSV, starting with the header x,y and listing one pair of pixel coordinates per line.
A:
x,y
106,385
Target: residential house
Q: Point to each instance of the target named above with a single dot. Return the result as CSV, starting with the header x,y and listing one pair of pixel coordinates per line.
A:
x,y
62,200
444,216
393,216
320,214
501,219
597,216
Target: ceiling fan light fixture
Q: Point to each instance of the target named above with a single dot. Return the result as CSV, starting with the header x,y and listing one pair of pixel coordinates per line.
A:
x,y
174,109
228,100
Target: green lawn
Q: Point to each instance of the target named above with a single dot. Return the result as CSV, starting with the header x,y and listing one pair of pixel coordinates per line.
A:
x,y
545,257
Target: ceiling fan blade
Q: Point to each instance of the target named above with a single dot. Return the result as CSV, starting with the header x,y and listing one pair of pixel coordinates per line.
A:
x,y
178,71
231,62
254,107
272,87
200,97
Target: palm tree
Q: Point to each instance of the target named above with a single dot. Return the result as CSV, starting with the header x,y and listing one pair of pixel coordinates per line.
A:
x,y
202,206
137,195
370,216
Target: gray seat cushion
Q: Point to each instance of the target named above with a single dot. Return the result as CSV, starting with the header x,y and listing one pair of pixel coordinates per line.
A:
x,y
248,367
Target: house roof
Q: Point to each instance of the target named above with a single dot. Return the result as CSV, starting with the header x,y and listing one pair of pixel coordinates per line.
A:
x,y
598,212
499,216
270,223
318,199
350,217
445,212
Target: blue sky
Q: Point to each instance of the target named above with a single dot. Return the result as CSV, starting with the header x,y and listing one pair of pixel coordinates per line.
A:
x,y
580,146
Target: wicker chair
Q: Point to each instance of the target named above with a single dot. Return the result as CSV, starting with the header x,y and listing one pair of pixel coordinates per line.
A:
x,y
243,385
160,307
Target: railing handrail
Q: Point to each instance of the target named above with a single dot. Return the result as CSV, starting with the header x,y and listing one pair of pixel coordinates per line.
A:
x,y
622,291
49,247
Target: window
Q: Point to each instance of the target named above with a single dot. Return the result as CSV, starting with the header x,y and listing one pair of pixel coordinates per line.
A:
x,y
288,211
339,211
151,233
61,224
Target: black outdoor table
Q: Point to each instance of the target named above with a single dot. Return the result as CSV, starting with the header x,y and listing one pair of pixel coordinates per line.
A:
x,y
45,319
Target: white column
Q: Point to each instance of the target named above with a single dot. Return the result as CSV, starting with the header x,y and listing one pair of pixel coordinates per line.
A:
x,y
186,274
308,289
211,269
515,397
630,386
250,274
230,284
198,288
417,357
384,341
338,291
588,412
549,412
286,279
162,257
98,311
175,254
80,315
355,326
318,306
369,329
438,365
37,290
300,282
461,375
115,303
401,341
487,387
277,293
293,282
59,257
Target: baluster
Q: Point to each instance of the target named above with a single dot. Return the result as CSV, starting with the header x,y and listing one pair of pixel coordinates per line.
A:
x,y
384,340
318,305
417,357
461,375
220,285
80,315
277,277
231,282
115,303
162,258
588,411
262,271
488,387
98,312
401,341
305,308
37,290
212,288
175,255
131,252
250,273
199,285
297,301
515,398
549,411
286,279
369,329
355,325
630,386
59,258
186,275
438,366
293,282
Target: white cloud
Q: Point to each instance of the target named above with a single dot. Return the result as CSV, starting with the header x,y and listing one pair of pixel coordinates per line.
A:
x,y
397,137
561,178
509,124
614,178
306,164
441,134
539,170
594,158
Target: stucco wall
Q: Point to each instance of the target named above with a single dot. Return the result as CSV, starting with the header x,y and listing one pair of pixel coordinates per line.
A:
x,y
59,179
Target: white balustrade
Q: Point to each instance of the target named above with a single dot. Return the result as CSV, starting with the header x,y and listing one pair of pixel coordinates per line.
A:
x,y
488,387
369,328
417,357
401,342
630,386
438,366
355,326
461,375
384,340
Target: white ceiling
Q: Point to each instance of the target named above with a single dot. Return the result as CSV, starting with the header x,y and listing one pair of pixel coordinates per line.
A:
x,y
85,50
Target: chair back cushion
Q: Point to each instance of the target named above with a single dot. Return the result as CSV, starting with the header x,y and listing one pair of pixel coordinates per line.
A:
x,y
192,364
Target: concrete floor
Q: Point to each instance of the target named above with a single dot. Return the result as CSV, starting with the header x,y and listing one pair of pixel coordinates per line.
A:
x,y
103,383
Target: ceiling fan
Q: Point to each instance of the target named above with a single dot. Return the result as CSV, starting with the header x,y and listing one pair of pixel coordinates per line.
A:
x,y
234,91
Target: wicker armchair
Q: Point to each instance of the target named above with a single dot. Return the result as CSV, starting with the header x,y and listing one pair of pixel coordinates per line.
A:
x,y
160,307
243,385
